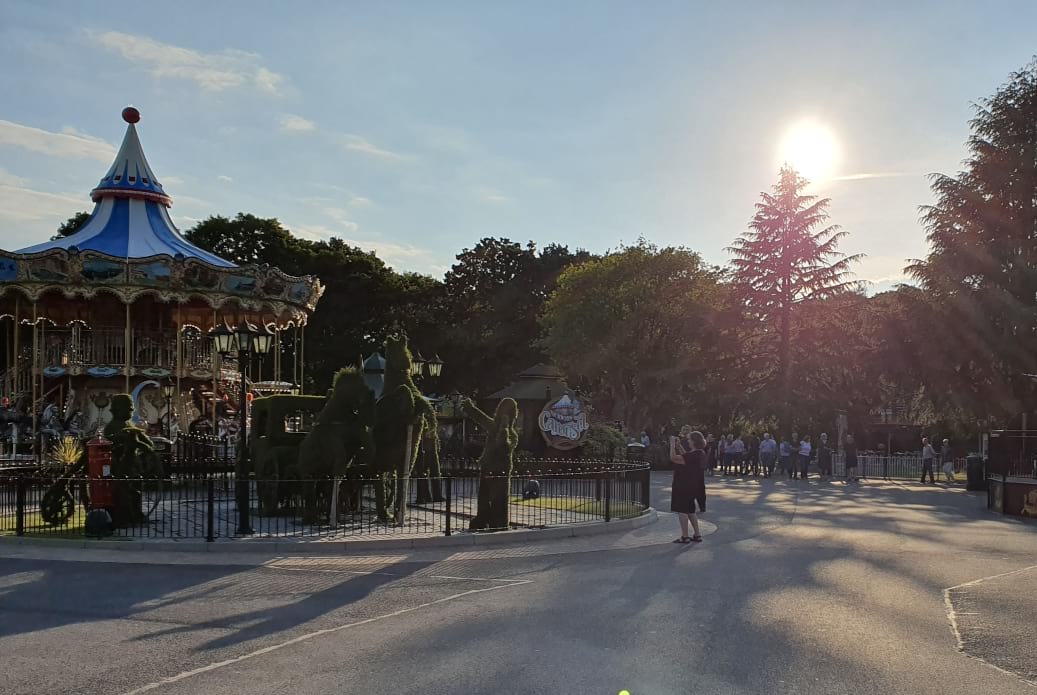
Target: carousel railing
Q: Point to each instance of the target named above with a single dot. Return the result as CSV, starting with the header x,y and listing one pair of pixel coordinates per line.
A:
x,y
107,347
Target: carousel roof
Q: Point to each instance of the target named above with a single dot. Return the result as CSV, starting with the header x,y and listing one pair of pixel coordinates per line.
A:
x,y
130,219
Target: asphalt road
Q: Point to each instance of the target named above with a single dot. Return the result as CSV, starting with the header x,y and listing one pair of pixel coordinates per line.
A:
x,y
802,588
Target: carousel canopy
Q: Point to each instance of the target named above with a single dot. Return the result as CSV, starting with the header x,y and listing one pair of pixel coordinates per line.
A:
x,y
130,219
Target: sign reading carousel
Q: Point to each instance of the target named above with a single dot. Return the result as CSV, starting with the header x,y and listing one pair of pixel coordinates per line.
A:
x,y
563,423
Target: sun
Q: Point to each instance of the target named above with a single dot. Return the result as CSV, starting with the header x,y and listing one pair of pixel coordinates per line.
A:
x,y
811,148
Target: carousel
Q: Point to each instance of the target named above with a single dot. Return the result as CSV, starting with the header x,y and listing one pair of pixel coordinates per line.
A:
x,y
127,305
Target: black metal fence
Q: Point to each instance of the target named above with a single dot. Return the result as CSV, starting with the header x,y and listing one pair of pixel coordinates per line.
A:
x,y
197,498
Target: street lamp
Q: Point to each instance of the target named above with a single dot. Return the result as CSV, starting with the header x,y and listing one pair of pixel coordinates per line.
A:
x,y
246,340
417,364
167,392
435,366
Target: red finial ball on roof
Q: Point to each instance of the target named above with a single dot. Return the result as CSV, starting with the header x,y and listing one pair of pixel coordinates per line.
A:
x,y
130,114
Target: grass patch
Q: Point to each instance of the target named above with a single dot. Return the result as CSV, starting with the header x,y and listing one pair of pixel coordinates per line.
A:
x,y
35,525
618,510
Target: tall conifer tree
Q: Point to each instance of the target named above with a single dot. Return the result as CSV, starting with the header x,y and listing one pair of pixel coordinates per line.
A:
x,y
789,255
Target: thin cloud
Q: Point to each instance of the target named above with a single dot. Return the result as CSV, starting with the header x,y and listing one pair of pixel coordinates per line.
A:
x,y
291,123
355,143
400,256
216,72
877,175
22,204
224,179
69,143
9,179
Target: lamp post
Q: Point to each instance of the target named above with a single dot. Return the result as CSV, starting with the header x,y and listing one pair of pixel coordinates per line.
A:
x,y
167,392
246,340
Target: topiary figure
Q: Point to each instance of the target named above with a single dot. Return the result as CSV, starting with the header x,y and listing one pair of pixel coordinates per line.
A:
x,y
341,438
133,457
495,463
401,407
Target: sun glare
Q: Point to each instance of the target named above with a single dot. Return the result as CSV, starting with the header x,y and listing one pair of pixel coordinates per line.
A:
x,y
811,149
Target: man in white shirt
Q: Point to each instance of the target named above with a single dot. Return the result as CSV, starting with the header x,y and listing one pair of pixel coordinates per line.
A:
x,y
768,454
928,454
804,457
737,450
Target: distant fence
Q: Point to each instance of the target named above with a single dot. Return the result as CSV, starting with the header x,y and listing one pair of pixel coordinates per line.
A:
x,y
197,498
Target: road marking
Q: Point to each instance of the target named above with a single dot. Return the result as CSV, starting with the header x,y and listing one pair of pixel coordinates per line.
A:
x,y
312,635
952,616
389,574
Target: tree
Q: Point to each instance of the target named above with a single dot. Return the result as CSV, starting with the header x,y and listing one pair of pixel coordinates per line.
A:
x,y
980,276
494,294
788,256
71,225
638,326
364,300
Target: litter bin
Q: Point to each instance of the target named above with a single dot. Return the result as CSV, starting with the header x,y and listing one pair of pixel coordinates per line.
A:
x,y
636,451
976,475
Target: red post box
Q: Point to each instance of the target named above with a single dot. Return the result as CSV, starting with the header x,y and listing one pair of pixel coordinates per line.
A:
x,y
99,468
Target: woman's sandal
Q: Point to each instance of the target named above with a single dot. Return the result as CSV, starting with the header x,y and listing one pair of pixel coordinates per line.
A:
x,y
683,540
696,539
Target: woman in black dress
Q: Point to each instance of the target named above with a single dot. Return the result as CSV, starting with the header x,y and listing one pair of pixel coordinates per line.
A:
x,y
689,483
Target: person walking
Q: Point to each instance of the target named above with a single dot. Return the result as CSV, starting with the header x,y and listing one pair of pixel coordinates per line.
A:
x,y
824,458
768,454
688,457
785,452
947,457
804,457
737,447
928,454
850,453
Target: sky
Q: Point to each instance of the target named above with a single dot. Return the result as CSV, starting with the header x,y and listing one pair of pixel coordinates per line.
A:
x,y
414,129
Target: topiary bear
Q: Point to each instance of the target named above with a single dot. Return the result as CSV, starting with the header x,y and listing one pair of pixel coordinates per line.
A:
x,y
495,463
133,458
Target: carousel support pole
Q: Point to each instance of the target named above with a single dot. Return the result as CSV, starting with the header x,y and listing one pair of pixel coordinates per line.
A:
x,y
217,367
127,348
277,353
32,374
17,348
295,356
302,361
179,358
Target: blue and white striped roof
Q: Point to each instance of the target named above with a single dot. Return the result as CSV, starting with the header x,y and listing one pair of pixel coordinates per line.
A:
x,y
130,219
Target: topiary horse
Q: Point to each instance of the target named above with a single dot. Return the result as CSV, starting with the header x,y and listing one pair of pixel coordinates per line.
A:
x,y
403,417
495,463
341,438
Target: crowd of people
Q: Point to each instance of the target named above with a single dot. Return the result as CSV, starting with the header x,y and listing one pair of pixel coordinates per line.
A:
x,y
694,456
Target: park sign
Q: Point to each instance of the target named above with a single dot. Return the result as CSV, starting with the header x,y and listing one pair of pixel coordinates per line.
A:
x,y
563,423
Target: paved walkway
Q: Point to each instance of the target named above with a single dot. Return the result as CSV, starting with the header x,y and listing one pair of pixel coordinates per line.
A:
x,y
807,588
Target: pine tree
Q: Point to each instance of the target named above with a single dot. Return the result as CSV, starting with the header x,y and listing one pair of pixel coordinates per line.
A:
x,y
980,276
789,255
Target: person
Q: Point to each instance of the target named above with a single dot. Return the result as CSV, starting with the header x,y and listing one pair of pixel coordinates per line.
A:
x,y
850,449
824,458
711,454
804,457
928,454
689,483
753,448
646,441
737,449
768,454
785,451
722,454
947,456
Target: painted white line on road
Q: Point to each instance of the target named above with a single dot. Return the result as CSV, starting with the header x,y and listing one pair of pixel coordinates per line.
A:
x,y
312,635
390,574
952,616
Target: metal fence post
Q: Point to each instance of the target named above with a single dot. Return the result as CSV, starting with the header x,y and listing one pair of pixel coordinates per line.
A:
x,y
646,487
19,514
608,496
449,501
210,521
